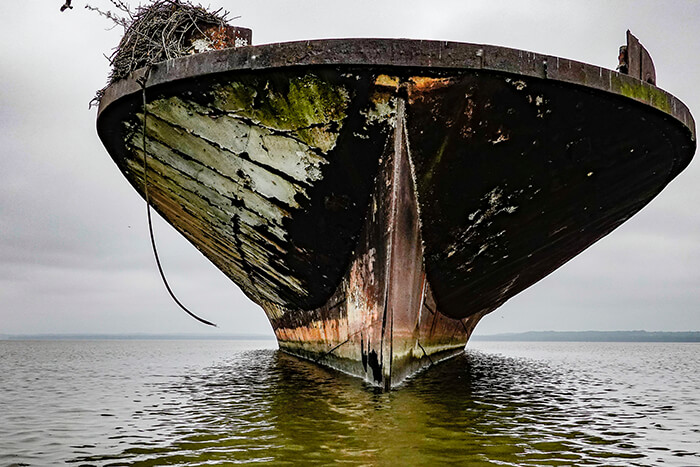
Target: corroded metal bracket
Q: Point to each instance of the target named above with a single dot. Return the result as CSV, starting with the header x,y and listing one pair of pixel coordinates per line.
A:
x,y
636,61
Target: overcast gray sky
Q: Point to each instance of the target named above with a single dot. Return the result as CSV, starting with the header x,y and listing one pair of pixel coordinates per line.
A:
x,y
74,250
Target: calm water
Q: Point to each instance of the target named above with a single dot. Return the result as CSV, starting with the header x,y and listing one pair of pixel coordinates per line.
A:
x,y
224,402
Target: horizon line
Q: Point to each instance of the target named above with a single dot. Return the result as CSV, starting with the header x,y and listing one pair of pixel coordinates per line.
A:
x,y
527,335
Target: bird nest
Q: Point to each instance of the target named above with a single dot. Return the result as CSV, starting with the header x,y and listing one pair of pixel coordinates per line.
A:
x,y
161,30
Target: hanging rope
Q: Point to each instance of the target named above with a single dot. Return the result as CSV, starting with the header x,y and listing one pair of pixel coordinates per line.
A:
x,y
142,83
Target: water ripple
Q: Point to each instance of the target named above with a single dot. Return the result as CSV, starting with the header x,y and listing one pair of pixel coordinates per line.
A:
x,y
501,404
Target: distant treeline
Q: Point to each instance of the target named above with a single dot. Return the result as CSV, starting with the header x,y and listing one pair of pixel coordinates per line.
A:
x,y
594,336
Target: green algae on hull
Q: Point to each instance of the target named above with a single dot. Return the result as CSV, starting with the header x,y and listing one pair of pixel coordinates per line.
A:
x,y
308,107
644,92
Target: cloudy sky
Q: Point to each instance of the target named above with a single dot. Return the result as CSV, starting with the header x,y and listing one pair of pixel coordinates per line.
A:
x,y
74,250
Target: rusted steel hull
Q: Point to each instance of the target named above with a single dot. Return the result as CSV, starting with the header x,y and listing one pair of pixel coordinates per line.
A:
x,y
382,323
376,206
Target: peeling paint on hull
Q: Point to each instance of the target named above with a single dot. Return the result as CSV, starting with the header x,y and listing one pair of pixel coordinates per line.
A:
x,y
377,211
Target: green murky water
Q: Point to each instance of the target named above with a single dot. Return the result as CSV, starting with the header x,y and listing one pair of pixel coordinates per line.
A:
x,y
228,402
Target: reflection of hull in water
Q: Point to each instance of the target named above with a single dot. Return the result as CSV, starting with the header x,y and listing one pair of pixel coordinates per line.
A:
x,y
378,197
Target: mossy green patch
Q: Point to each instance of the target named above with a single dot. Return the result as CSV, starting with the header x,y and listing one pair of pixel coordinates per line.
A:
x,y
309,106
643,92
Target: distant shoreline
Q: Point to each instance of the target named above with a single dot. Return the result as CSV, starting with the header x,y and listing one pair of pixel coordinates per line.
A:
x,y
531,336
593,336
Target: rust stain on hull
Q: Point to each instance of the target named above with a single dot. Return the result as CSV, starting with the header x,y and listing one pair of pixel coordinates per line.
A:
x,y
382,323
